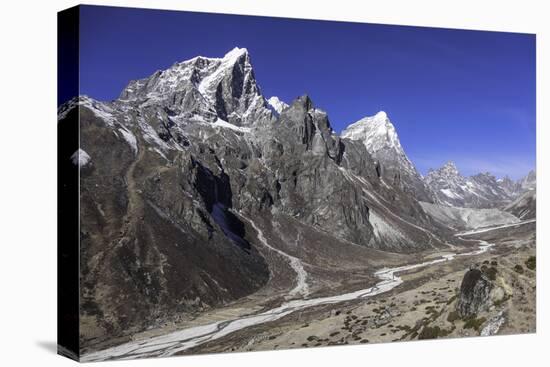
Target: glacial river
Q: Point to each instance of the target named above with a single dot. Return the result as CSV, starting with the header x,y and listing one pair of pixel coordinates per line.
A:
x,y
177,341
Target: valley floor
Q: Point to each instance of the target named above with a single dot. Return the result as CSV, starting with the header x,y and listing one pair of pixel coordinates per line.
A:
x,y
421,306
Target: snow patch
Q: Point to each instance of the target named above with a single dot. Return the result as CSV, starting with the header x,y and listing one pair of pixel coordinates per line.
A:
x,y
276,105
130,139
207,86
226,125
450,194
80,158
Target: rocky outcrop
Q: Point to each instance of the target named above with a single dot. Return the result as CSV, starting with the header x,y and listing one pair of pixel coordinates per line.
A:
x,y
475,294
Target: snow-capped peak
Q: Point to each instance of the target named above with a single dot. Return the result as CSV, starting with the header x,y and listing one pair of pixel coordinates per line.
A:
x,y
235,53
380,138
210,88
450,168
377,132
482,190
276,105
207,87
381,115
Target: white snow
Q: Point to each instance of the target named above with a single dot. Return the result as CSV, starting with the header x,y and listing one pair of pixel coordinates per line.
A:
x,y
226,125
376,132
161,153
379,136
276,104
130,139
208,84
100,109
172,343
80,158
450,194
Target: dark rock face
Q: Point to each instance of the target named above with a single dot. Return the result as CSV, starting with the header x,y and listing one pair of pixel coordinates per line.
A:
x,y
475,292
152,247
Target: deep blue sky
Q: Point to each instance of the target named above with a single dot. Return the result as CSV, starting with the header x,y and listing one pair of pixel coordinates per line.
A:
x,y
466,96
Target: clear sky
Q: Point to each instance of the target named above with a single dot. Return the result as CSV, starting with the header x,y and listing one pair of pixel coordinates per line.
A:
x,y
465,96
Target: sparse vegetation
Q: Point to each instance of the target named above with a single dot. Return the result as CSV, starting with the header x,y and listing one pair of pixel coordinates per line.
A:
x,y
453,316
491,273
474,323
531,263
405,328
518,269
434,332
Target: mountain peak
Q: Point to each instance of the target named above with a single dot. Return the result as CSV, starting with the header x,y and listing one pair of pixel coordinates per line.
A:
x,y
205,88
380,138
377,132
276,105
450,165
448,169
235,53
381,115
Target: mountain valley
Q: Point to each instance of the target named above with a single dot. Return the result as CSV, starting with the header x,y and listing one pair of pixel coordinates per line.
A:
x,y
215,219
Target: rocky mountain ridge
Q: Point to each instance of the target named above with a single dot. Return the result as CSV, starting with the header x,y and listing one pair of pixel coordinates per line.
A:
x,y
179,175
482,190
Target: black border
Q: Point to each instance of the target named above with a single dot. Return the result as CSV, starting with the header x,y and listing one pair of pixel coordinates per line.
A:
x,y
68,272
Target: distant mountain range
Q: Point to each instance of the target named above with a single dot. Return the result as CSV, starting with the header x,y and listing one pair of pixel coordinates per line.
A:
x,y
176,174
479,191
444,185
